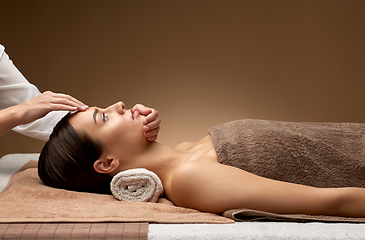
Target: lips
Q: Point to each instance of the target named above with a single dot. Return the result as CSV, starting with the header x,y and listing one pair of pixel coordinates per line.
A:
x,y
134,113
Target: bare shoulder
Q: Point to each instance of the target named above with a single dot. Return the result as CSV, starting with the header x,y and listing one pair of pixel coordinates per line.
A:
x,y
180,181
187,182
184,176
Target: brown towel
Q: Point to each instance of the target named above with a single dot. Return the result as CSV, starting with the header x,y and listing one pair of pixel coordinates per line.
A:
x,y
248,215
314,154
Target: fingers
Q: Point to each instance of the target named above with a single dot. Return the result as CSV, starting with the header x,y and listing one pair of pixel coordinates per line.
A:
x,y
46,102
151,133
64,102
152,117
151,130
71,101
152,121
63,107
150,113
152,125
145,111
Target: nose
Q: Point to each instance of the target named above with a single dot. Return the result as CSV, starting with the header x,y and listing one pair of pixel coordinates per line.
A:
x,y
118,107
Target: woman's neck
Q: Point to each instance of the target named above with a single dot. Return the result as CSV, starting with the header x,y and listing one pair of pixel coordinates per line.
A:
x,y
159,159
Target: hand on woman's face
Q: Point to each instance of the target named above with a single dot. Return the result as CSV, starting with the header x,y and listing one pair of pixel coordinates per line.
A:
x,y
115,126
47,102
151,122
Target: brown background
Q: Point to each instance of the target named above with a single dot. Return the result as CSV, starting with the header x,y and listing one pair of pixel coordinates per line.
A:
x,y
199,63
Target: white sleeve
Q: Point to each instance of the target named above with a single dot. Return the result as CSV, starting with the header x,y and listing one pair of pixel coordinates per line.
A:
x,y
15,89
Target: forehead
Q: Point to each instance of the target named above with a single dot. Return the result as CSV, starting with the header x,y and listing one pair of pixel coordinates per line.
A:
x,y
83,120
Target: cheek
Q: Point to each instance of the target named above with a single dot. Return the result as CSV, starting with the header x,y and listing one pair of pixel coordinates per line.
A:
x,y
124,130
133,131
112,139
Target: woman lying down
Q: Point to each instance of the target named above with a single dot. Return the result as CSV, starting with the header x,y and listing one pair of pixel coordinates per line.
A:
x,y
278,167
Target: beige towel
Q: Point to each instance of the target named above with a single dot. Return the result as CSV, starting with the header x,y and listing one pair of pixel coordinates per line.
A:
x,y
136,185
27,199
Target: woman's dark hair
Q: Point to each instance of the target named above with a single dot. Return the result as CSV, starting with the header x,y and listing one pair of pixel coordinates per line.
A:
x,y
67,159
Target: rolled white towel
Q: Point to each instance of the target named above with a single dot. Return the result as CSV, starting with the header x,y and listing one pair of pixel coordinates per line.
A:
x,y
136,185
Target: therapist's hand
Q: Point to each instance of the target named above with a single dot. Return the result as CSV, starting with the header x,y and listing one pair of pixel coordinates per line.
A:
x,y
151,123
48,101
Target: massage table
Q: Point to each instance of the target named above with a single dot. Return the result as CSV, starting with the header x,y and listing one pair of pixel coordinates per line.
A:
x,y
11,163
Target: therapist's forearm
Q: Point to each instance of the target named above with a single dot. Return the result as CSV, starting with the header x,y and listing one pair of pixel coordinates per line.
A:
x,y
9,118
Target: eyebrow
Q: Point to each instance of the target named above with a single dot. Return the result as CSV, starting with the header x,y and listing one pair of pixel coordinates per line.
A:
x,y
95,113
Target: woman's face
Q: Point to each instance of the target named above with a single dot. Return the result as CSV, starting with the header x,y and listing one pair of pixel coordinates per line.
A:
x,y
117,128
